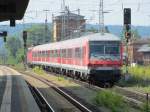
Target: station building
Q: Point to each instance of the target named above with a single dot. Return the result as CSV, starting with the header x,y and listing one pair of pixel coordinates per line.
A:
x,y
66,25
135,55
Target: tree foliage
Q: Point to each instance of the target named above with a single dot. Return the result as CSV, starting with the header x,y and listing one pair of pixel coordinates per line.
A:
x,y
20,55
38,34
13,44
134,35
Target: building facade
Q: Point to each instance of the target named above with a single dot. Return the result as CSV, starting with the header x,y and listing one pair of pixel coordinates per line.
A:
x,y
145,50
134,56
67,25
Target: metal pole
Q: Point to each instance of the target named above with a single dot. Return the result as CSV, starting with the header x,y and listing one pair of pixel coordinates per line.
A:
x,y
126,58
147,103
101,18
46,26
25,58
63,20
79,23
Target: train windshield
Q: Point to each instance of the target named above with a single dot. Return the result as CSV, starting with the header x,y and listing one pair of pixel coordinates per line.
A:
x,y
105,50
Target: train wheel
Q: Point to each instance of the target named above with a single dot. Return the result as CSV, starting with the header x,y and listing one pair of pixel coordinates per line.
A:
x,y
107,85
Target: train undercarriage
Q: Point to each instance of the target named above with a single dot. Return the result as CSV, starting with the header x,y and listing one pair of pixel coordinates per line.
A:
x,y
99,77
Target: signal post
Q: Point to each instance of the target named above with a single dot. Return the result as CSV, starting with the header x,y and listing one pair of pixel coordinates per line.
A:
x,y
25,47
127,31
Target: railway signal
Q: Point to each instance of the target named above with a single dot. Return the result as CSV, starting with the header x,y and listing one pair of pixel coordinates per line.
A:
x,y
4,35
25,38
12,22
127,23
25,46
127,15
127,32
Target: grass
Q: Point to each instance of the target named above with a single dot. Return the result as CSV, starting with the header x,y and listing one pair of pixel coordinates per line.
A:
x,y
58,79
138,79
138,76
146,107
142,72
38,70
20,66
110,100
141,89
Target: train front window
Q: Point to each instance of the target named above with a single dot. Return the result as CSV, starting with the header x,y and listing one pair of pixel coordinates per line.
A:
x,y
112,50
105,50
97,49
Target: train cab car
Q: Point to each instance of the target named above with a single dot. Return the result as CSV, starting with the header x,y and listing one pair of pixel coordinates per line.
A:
x,y
93,57
105,60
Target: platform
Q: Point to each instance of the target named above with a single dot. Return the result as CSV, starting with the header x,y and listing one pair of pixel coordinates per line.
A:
x,y
15,95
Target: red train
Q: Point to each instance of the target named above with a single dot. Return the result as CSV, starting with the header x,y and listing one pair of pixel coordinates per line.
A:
x,y
93,57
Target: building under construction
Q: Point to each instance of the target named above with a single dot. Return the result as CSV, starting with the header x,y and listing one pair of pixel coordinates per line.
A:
x,y
68,25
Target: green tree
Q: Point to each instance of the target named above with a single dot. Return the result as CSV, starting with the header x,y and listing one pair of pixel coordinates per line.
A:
x,y
38,34
3,55
135,34
13,44
20,55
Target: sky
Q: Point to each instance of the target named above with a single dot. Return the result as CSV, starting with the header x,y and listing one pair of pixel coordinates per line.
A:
x,y
89,9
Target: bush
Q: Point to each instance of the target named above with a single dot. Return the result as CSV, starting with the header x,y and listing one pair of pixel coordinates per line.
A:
x,y
38,70
138,75
110,100
146,108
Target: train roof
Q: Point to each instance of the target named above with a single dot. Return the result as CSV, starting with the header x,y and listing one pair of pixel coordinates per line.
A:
x,y
77,41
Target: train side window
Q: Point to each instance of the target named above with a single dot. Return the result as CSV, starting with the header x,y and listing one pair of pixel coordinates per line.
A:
x,y
77,52
55,53
50,53
33,54
58,53
63,53
40,54
69,53
37,54
45,54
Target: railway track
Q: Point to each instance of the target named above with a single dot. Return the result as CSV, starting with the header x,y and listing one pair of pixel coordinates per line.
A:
x,y
67,96
131,97
74,101
137,96
136,99
40,99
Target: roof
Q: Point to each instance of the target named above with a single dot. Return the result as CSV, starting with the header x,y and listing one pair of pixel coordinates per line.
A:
x,y
141,41
77,41
12,9
144,48
70,15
